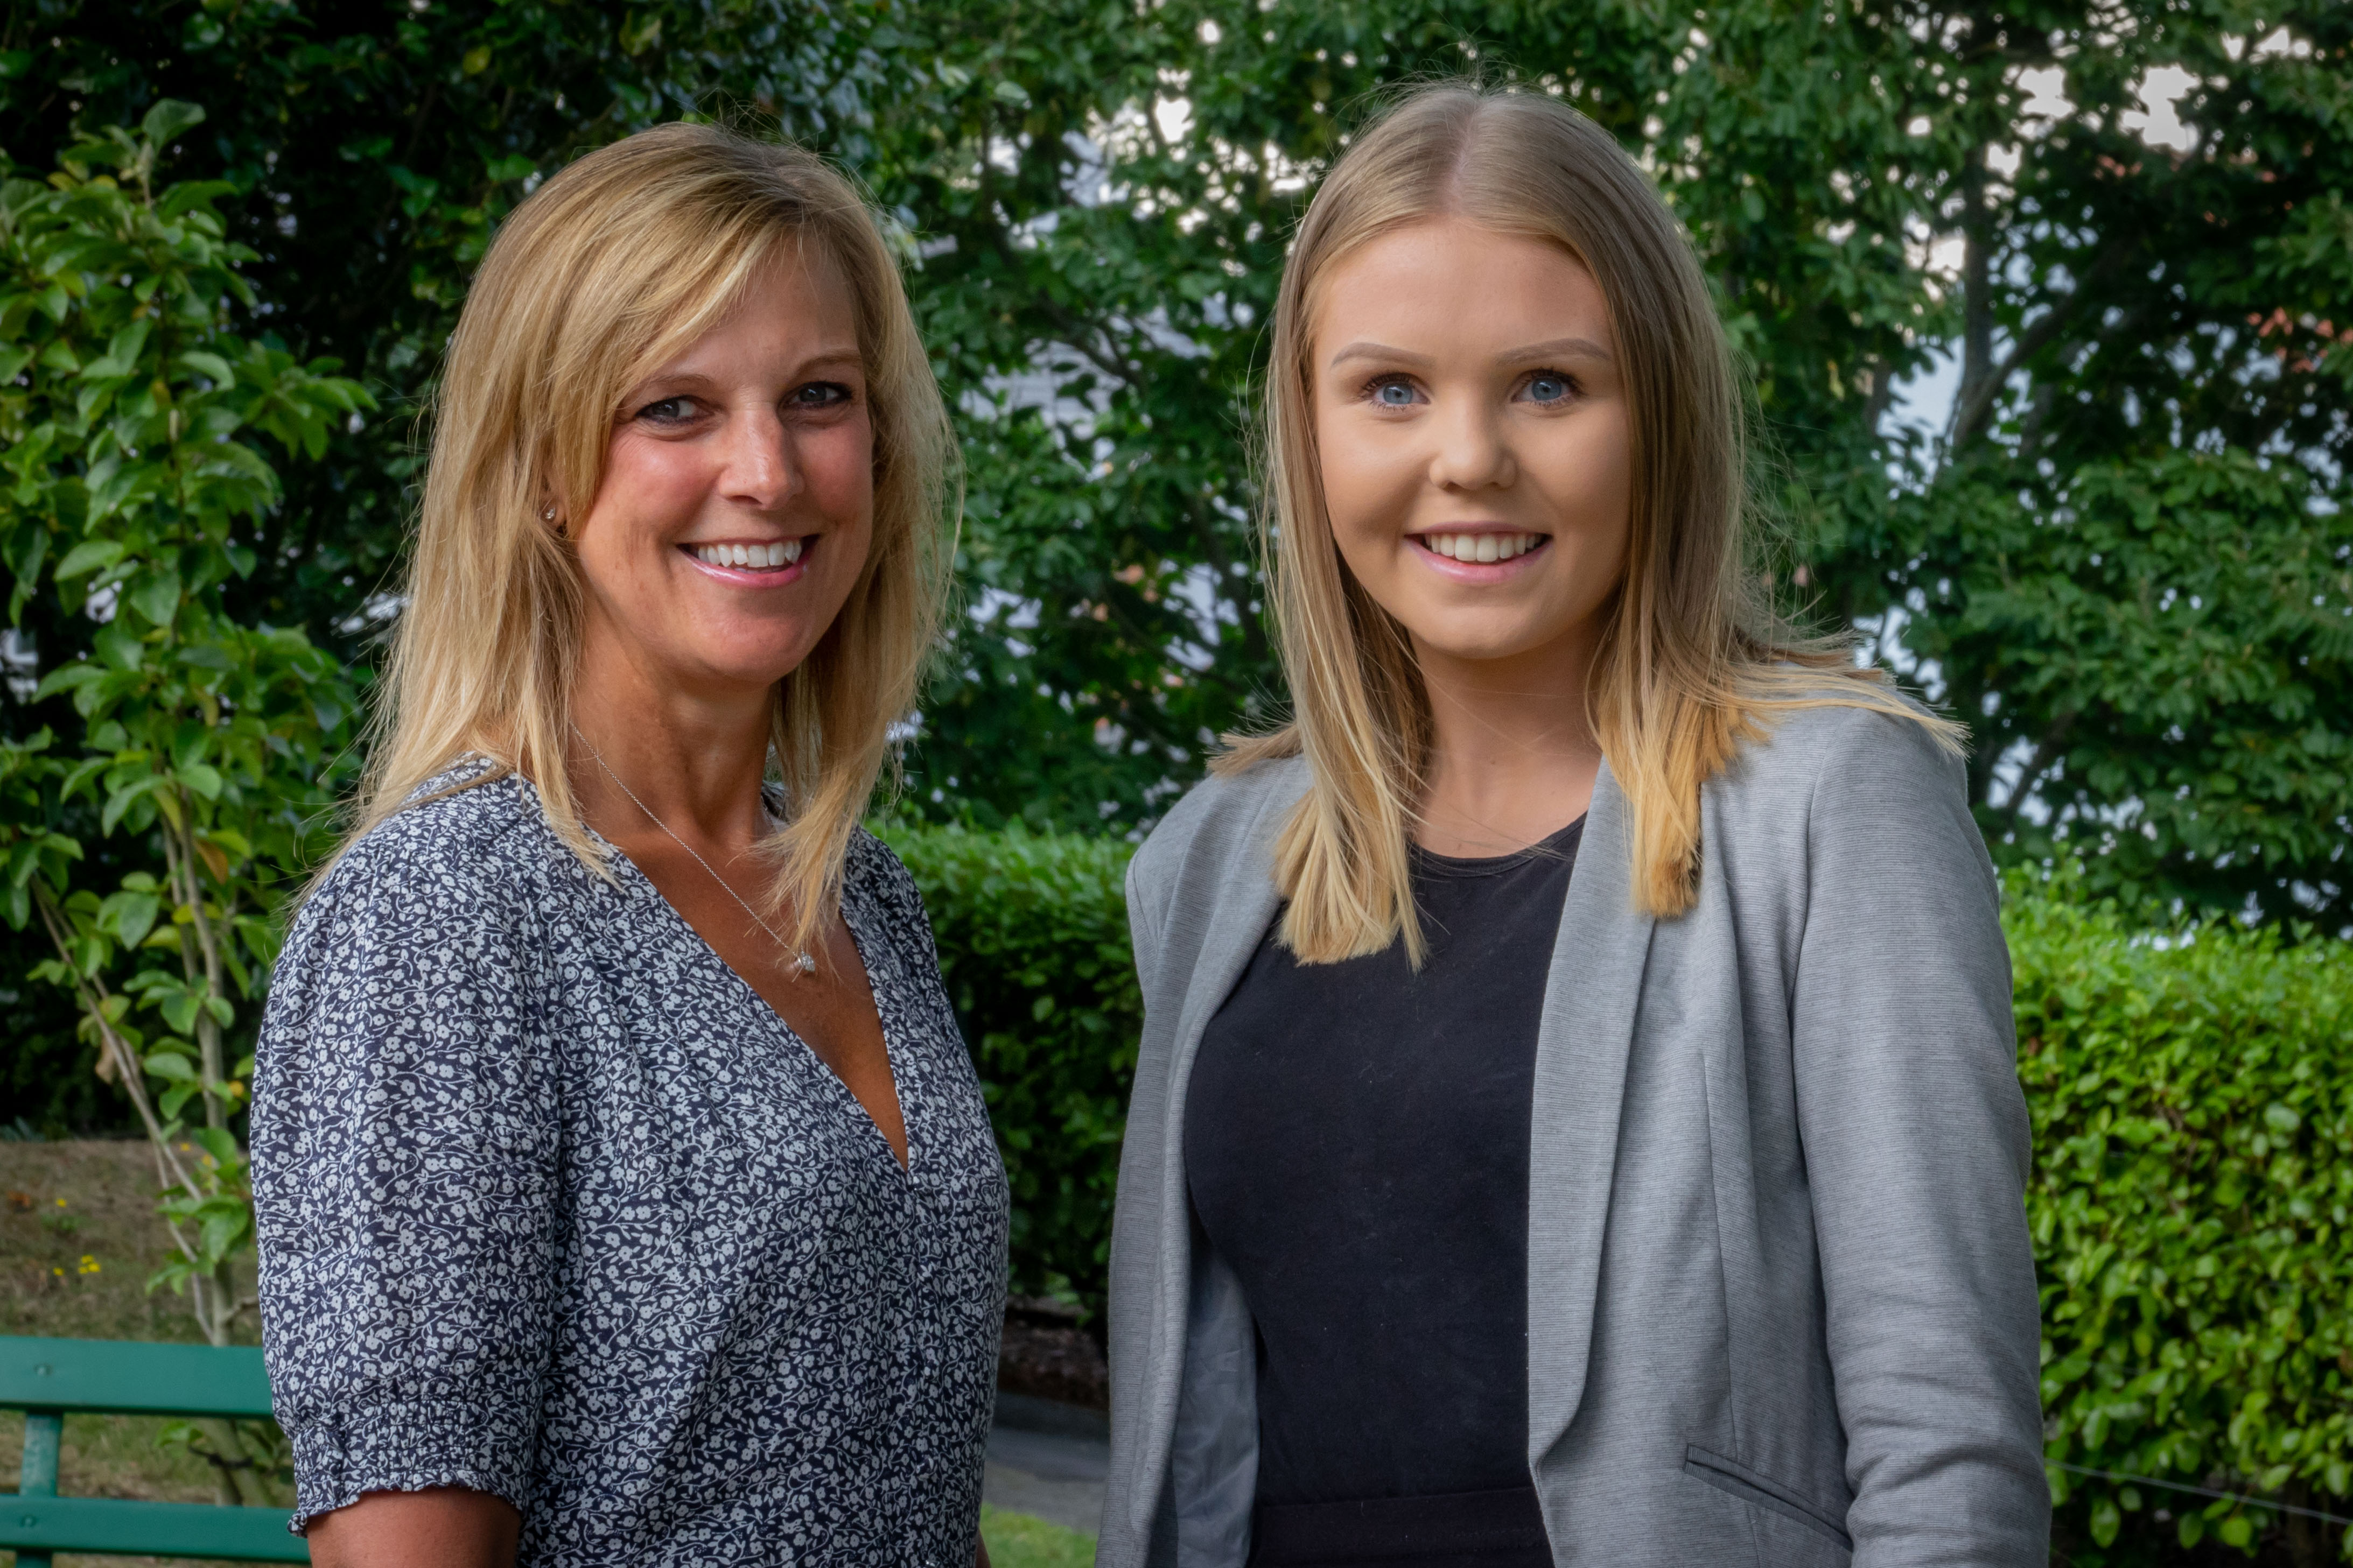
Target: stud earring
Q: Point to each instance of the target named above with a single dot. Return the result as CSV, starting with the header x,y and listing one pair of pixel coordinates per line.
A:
x,y
548,515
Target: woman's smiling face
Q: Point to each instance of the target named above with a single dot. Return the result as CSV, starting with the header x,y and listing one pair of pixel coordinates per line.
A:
x,y
1471,430
737,504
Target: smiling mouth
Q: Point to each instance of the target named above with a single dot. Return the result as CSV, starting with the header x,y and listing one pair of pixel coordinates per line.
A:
x,y
773,557
1480,549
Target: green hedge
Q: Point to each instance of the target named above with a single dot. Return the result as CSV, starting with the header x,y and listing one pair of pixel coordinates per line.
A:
x,y
2192,1097
1033,943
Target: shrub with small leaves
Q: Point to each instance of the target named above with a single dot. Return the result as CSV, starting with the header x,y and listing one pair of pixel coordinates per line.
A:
x,y
153,830
2192,1097
1032,932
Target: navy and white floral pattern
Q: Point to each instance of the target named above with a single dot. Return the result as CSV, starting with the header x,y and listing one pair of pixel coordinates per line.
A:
x,y
552,1205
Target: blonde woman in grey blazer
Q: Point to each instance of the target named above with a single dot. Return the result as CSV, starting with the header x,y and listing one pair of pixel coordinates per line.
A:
x,y
1576,1119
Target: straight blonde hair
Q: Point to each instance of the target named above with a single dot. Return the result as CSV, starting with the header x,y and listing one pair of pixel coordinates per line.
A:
x,y
608,270
1692,658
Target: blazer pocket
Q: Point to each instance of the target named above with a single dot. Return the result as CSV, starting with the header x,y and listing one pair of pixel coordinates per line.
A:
x,y
1732,1476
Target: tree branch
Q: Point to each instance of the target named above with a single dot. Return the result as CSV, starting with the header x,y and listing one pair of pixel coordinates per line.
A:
x,y
1971,414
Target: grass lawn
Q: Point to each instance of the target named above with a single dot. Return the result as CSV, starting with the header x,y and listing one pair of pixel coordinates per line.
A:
x,y
1018,1540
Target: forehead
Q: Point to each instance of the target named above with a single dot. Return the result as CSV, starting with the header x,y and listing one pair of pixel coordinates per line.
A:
x,y
1448,284
797,301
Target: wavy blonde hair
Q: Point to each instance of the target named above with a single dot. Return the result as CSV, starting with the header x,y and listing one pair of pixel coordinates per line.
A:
x,y
1692,658
605,273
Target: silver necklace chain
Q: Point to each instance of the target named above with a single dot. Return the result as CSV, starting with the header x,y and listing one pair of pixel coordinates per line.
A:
x,y
802,963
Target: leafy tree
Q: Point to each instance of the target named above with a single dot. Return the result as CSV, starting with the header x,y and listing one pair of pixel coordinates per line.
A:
x,y
371,148
2123,558
152,846
364,154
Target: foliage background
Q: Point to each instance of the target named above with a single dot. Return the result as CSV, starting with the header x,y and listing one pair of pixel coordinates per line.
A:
x,y
2117,233
2112,237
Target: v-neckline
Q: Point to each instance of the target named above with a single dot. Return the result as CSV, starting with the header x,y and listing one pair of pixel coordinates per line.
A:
x,y
776,1020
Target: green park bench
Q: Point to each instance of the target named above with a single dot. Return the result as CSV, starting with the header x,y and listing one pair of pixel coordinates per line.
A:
x,y
47,1378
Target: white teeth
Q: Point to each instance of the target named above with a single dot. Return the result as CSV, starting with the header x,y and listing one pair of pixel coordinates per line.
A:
x,y
757,557
1482,548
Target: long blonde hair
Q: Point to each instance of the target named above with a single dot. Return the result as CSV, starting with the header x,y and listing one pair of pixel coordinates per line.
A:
x,y
1693,657
611,269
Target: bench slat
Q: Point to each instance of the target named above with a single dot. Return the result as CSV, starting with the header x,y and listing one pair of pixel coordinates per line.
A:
x,y
124,1377
156,1529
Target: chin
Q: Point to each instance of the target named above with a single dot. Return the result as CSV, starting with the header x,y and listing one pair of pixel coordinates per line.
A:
x,y
1483,646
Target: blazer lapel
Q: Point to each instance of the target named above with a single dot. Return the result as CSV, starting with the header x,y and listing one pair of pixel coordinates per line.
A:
x,y
1242,900
1582,1044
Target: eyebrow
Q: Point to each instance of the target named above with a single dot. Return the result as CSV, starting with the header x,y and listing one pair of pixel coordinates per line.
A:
x,y
691,380
1558,347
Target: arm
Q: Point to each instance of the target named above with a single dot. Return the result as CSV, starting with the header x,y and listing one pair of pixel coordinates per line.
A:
x,y
448,1527
405,1138
1915,1140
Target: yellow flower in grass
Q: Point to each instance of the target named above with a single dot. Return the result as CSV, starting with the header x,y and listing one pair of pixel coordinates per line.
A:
x,y
89,1264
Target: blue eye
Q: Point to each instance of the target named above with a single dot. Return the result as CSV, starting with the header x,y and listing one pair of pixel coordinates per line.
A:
x,y
1548,388
821,394
1394,394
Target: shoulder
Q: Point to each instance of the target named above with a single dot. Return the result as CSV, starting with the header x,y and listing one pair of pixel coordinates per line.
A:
x,y
1896,749
873,869
1221,819
463,854
1872,801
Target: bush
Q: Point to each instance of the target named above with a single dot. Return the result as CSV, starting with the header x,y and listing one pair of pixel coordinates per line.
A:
x,y
2192,1097
1032,933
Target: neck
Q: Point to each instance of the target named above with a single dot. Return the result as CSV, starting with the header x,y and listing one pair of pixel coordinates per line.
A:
x,y
693,755
1512,755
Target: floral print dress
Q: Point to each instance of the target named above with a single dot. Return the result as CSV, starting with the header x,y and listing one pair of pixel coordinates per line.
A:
x,y
552,1206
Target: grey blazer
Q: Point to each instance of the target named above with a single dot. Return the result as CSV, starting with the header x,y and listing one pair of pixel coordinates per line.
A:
x,y
1782,1302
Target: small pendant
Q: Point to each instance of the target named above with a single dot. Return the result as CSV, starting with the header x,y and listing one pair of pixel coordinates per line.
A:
x,y
804,964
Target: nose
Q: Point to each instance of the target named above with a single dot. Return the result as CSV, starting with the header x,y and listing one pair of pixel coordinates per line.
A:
x,y
756,465
1473,451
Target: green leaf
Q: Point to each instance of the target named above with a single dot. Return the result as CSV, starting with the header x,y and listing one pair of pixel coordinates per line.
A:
x,y
120,359
221,1145
120,801
168,118
156,595
220,1232
135,915
172,1066
203,778
2107,1521
89,556
209,365
66,680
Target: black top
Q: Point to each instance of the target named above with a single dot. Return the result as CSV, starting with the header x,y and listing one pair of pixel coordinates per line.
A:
x,y
1357,1146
